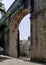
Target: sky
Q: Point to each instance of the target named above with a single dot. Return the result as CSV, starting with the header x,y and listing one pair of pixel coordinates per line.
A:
x,y
7,3
24,26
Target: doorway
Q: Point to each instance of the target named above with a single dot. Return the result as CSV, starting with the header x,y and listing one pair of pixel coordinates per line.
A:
x,y
24,49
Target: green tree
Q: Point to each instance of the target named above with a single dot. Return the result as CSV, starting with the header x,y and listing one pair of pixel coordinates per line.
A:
x,y
22,52
3,26
2,7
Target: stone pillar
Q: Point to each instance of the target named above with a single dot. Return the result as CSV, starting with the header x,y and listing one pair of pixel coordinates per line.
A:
x,y
6,44
38,46
13,43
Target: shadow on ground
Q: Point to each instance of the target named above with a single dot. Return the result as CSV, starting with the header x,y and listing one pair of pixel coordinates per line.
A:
x,y
3,58
42,62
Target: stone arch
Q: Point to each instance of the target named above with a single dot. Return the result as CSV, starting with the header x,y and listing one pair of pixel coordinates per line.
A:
x,y
18,17
14,31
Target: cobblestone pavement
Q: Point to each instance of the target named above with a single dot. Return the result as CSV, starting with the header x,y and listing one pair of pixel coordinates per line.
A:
x,y
5,60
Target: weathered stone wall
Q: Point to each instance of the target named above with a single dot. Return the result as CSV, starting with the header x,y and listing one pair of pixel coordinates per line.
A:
x,y
13,43
39,5
6,43
14,24
16,12
38,45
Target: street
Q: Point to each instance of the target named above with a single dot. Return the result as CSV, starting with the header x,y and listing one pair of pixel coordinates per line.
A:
x,y
6,60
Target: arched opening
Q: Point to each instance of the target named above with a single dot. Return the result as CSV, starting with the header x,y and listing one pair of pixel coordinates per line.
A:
x,y
14,32
24,37
24,27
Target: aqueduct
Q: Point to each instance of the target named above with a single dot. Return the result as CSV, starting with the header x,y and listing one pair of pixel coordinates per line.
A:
x,y
13,20
38,27
14,29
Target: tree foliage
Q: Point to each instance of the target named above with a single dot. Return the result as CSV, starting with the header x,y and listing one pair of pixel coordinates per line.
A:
x,y
2,25
2,8
2,31
22,52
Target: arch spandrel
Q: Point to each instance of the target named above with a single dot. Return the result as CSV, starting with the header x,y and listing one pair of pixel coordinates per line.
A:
x,y
18,17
